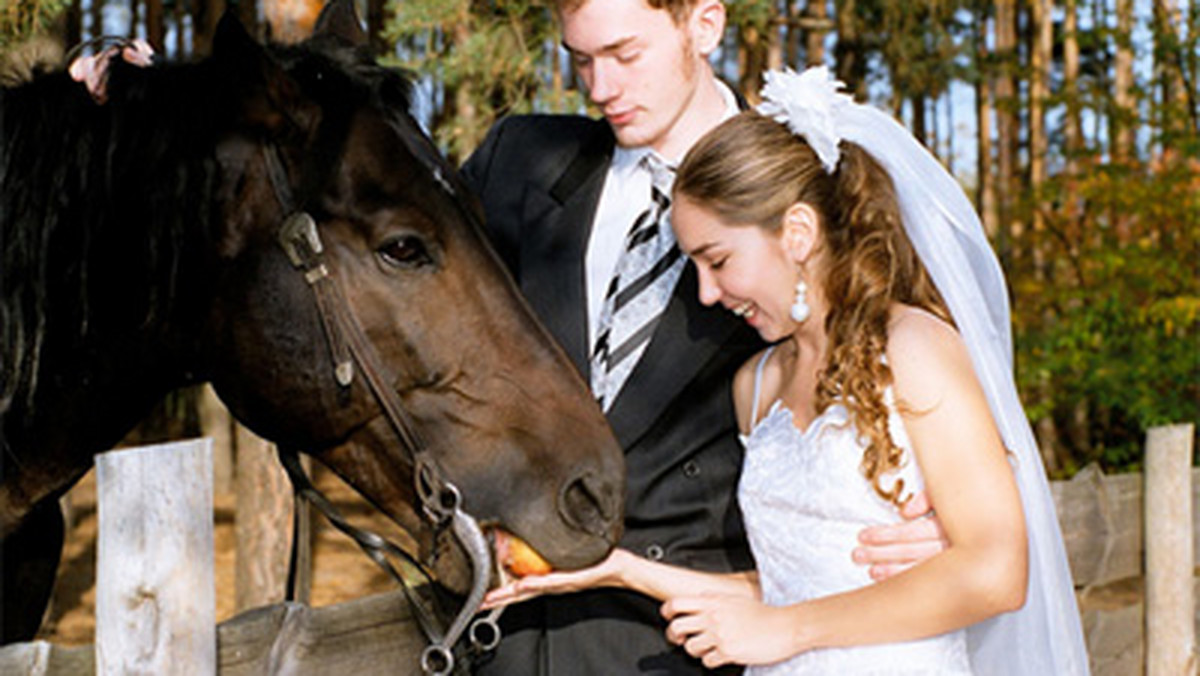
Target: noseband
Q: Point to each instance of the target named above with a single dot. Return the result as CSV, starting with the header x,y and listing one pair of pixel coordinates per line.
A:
x,y
441,501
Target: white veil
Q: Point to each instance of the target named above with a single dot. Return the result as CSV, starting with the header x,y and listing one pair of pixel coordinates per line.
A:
x,y
1045,636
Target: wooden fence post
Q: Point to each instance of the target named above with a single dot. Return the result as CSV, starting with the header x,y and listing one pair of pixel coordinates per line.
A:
x,y
216,422
263,526
155,594
1170,591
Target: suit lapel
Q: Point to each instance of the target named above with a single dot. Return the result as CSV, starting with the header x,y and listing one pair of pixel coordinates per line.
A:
x,y
557,224
684,342
687,338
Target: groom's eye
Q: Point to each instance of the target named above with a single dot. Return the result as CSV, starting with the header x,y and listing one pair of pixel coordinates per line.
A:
x,y
628,56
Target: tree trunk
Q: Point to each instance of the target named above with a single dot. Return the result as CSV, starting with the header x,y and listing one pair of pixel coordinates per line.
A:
x,y
465,111
1074,126
177,21
1007,131
814,49
791,40
985,187
156,26
851,66
752,51
97,19
1169,71
1040,14
133,20
1122,122
72,31
920,128
205,15
376,18
247,11
1040,55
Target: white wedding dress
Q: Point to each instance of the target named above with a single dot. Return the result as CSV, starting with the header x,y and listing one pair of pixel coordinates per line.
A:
x,y
804,501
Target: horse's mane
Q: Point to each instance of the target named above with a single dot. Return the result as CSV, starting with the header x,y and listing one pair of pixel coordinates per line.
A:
x,y
134,179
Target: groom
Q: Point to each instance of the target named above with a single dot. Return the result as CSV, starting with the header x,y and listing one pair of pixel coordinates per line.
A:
x,y
560,194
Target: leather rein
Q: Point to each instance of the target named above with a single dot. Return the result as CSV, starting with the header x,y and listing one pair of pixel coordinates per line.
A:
x,y
441,501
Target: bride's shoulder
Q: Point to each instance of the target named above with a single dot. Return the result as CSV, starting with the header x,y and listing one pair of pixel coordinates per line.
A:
x,y
911,327
744,382
925,353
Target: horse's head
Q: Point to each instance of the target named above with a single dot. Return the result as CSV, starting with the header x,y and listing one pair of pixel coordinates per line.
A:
x,y
498,404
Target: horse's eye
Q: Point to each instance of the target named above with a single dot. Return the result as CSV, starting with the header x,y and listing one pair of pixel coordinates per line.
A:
x,y
405,251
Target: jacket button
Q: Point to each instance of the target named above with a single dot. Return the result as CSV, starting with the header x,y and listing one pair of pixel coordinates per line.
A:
x,y
654,552
691,469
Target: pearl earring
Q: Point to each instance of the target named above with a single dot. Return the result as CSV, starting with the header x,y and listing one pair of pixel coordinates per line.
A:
x,y
800,309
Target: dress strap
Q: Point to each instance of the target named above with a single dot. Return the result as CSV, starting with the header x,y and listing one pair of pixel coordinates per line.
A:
x,y
758,371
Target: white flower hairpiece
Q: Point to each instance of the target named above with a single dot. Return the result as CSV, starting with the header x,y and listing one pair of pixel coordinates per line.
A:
x,y
807,103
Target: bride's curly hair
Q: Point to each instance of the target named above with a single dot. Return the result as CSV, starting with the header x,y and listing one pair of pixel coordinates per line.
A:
x,y
748,171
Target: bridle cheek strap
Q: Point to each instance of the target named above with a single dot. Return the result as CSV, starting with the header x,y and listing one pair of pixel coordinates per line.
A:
x,y
440,500
298,237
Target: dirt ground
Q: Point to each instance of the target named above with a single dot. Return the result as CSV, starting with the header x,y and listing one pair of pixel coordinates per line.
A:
x,y
341,571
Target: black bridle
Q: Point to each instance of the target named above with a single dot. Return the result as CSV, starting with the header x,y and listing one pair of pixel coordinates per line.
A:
x,y
441,501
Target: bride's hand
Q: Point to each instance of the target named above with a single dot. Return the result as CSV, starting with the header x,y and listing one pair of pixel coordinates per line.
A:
x,y
607,573
92,70
721,630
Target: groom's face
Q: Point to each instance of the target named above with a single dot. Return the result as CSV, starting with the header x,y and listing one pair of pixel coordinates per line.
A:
x,y
640,66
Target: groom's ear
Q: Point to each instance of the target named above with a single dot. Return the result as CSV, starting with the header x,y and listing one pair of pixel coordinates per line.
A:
x,y
706,24
801,231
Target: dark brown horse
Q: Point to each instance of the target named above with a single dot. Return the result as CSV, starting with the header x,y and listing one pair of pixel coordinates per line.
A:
x,y
140,253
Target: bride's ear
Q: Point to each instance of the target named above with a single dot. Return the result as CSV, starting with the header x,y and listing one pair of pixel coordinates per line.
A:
x,y
801,231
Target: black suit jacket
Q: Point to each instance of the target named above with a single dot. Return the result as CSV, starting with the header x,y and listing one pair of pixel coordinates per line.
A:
x,y
540,179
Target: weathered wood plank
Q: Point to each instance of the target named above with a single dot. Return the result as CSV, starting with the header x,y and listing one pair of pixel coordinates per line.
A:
x,y
155,595
1101,520
263,526
1170,604
368,636
216,422
372,636
40,658
1114,641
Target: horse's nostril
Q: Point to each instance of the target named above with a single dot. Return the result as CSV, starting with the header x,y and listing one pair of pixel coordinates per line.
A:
x,y
589,505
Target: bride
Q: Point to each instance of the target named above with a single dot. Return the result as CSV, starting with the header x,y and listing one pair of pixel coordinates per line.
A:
x,y
833,233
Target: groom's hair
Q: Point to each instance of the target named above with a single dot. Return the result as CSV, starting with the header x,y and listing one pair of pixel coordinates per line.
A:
x,y
678,9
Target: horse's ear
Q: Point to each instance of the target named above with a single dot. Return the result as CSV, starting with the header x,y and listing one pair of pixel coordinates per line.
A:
x,y
340,19
265,89
231,36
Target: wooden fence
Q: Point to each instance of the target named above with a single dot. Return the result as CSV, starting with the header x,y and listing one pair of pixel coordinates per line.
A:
x,y
1134,585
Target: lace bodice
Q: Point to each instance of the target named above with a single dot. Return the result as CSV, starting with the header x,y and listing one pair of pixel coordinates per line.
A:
x,y
804,500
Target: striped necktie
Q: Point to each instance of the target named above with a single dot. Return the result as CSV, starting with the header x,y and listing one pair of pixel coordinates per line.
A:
x,y
647,270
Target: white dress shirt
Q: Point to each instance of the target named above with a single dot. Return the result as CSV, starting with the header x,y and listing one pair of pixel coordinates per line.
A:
x,y
626,195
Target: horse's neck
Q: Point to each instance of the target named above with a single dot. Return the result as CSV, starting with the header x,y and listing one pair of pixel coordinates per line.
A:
x,y
91,270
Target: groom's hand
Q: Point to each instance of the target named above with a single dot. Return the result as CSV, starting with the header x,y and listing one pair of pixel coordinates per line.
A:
x,y
892,549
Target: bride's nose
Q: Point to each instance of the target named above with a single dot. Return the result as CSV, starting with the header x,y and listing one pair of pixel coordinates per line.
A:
x,y
710,291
